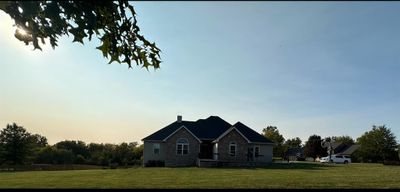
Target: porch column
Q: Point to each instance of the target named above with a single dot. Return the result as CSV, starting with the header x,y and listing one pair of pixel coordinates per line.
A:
x,y
215,151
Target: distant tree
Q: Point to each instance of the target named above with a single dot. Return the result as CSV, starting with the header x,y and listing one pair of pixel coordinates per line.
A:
x,y
398,151
133,144
46,155
112,22
36,143
123,154
138,152
96,153
272,133
17,144
293,143
379,144
345,139
38,140
79,159
108,154
63,156
53,155
76,147
2,154
313,148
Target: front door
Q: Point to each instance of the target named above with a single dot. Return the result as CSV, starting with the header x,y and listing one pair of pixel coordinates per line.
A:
x,y
206,150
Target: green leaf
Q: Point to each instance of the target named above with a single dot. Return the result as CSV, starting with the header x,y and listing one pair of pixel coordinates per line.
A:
x,y
114,57
104,48
3,5
105,19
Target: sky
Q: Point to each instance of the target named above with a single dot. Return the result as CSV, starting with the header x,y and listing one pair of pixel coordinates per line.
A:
x,y
325,68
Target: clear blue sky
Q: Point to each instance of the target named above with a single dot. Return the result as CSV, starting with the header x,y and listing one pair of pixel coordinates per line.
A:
x,y
325,68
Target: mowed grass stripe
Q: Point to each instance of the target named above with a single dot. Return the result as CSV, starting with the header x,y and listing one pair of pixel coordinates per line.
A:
x,y
303,175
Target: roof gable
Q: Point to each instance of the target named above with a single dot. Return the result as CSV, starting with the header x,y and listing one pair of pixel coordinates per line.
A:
x,y
202,129
182,127
228,131
250,134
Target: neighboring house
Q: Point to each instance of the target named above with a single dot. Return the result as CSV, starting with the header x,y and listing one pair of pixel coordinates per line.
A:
x,y
344,149
207,142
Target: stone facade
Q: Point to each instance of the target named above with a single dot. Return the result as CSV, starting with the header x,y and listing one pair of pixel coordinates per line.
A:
x,y
173,159
241,147
212,154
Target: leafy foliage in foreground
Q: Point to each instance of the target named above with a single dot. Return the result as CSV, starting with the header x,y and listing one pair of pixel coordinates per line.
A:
x,y
113,22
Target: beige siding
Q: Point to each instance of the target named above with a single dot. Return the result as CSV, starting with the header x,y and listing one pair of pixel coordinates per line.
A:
x,y
190,159
265,153
148,153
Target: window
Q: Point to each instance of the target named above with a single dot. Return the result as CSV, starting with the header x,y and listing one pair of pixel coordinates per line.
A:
x,y
232,149
156,148
182,146
256,151
339,156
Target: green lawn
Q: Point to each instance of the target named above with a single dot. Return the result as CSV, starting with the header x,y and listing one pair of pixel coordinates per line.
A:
x,y
304,175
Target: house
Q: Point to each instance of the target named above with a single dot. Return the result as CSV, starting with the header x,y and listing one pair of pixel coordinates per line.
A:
x,y
345,149
207,142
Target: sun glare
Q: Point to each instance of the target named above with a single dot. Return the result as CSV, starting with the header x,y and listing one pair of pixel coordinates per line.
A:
x,y
21,31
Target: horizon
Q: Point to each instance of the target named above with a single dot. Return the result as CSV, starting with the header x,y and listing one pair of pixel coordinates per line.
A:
x,y
324,68
141,142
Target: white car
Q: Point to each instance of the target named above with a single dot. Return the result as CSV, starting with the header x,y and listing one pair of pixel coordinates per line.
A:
x,y
336,159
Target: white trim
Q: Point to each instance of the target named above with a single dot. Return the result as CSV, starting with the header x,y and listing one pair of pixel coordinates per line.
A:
x,y
180,129
232,143
215,151
182,144
159,146
229,130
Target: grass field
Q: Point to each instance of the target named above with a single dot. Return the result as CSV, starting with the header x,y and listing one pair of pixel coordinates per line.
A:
x,y
296,175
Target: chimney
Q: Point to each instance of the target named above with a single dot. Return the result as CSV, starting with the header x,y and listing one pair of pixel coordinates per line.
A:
x,y
179,118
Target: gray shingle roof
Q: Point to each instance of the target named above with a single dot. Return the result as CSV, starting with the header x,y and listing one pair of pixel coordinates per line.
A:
x,y
207,129
204,129
348,150
250,134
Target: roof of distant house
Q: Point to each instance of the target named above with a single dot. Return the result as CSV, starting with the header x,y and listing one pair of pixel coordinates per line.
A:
x,y
348,150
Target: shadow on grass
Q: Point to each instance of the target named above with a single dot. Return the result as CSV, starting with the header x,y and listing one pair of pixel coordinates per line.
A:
x,y
296,165
291,165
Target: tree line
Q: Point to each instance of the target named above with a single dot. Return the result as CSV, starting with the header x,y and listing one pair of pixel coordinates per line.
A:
x,y
377,145
19,147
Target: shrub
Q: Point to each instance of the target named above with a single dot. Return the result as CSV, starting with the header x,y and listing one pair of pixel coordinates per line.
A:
x,y
300,159
80,159
113,165
154,163
391,162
